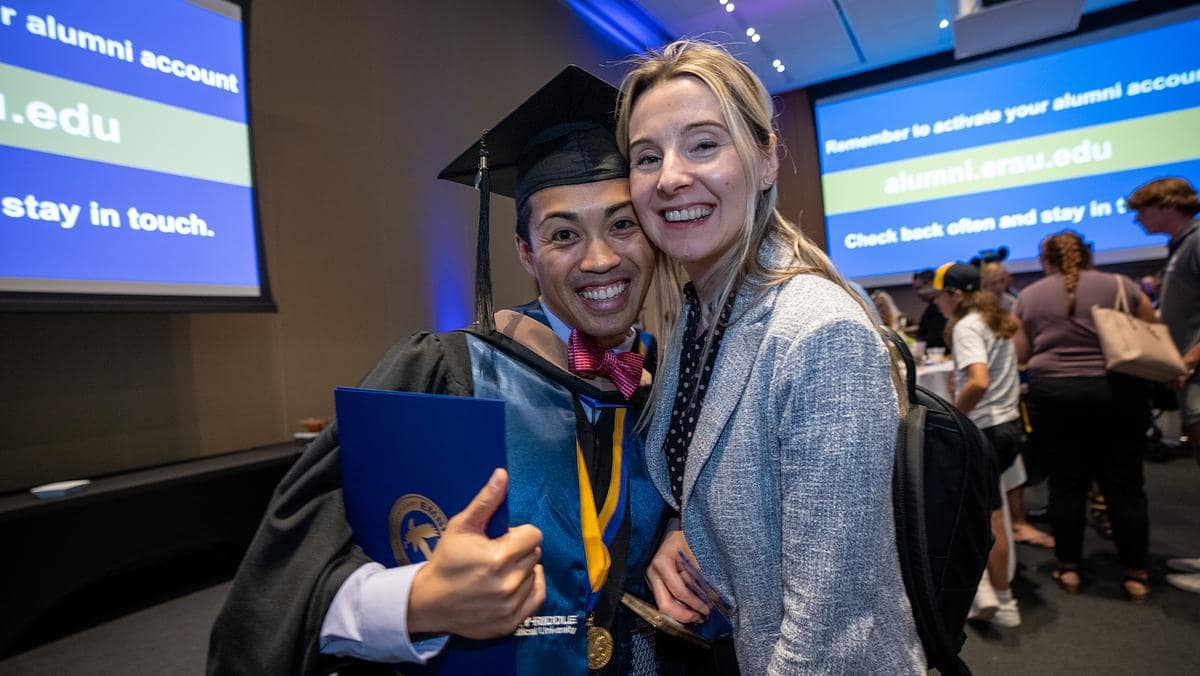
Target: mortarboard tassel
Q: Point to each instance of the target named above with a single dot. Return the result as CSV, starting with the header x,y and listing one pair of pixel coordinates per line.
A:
x,y
483,260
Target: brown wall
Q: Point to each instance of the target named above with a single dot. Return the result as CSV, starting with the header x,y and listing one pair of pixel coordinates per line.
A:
x,y
799,170
356,106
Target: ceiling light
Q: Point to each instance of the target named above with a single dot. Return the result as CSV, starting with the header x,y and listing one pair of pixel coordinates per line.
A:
x,y
776,63
724,1
780,68
729,7
749,32
943,23
755,38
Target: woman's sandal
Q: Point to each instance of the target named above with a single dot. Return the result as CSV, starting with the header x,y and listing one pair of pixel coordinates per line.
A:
x,y
1137,589
1067,577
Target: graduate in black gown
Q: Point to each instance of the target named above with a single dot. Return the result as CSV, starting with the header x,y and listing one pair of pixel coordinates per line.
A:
x,y
306,599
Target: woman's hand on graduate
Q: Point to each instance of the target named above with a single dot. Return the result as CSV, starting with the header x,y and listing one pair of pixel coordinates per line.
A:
x,y
669,582
476,586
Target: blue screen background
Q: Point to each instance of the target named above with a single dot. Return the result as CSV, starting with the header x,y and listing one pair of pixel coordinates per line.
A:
x,y
39,250
1146,54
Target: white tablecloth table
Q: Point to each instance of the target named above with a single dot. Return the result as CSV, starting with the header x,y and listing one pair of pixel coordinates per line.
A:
x,y
935,377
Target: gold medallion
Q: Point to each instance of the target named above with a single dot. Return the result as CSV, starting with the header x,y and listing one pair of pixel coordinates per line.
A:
x,y
600,647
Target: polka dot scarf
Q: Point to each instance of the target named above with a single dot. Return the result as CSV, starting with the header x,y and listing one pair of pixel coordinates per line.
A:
x,y
693,383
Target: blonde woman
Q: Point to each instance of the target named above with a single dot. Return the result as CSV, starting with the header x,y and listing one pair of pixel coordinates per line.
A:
x,y
775,413
998,280
889,314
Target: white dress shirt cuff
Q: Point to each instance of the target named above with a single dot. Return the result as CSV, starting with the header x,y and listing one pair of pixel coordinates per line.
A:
x,y
368,618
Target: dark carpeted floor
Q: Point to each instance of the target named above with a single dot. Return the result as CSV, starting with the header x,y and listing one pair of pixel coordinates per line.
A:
x,y
1097,632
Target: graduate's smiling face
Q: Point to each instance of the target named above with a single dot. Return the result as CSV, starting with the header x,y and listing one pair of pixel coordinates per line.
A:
x,y
589,256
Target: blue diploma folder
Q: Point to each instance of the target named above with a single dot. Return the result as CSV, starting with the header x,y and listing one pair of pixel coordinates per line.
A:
x,y
409,463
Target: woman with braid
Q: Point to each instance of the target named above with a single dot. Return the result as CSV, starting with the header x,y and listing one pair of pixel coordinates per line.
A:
x,y
1090,423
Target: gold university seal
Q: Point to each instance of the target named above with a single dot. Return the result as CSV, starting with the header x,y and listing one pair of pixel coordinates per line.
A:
x,y
415,525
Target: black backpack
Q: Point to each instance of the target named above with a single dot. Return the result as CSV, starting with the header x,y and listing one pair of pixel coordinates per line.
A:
x,y
942,486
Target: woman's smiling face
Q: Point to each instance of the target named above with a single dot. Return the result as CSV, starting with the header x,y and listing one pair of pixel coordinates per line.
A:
x,y
686,177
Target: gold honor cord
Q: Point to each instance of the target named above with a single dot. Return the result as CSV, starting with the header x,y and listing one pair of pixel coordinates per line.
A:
x,y
594,525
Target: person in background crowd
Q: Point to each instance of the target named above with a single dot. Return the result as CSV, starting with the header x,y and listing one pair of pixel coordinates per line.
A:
x,y
978,333
777,405
889,315
1152,286
1091,423
867,302
1168,206
931,329
1024,532
998,280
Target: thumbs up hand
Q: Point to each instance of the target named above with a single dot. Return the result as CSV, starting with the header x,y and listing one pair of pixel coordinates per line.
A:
x,y
475,586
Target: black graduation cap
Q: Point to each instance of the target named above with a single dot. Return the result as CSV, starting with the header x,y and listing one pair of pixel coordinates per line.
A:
x,y
561,135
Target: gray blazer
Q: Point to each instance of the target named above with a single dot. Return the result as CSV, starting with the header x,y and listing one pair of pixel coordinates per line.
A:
x,y
787,500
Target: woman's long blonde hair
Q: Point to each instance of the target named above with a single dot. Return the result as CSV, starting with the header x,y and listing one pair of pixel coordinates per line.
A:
x,y
889,312
748,112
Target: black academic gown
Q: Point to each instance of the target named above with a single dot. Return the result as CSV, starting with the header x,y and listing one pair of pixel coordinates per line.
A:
x,y
302,552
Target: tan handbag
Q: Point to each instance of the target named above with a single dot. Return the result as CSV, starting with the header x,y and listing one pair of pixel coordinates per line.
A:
x,y
1134,346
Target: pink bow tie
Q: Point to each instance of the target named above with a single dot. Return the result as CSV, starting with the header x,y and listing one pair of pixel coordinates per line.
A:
x,y
588,359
